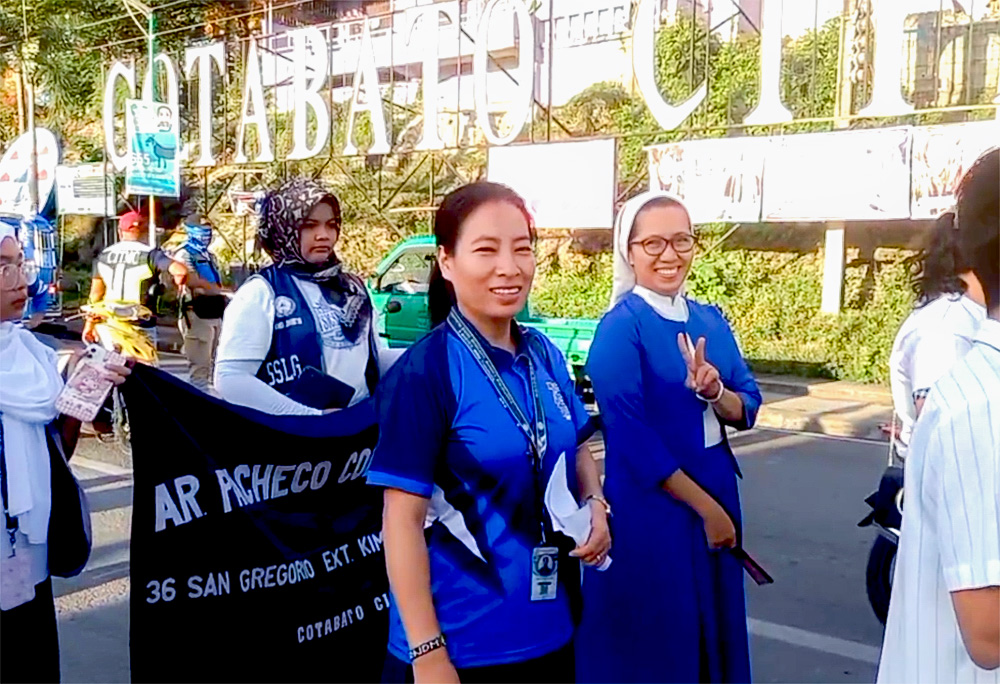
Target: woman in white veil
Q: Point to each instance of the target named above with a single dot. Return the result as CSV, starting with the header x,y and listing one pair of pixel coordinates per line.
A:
x,y
29,385
668,375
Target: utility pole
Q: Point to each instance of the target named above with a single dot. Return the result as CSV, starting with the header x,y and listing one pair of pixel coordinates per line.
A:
x,y
29,78
854,18
19,85
150,32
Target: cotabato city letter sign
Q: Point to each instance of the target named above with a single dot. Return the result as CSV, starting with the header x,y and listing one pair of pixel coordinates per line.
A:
x,y
309,46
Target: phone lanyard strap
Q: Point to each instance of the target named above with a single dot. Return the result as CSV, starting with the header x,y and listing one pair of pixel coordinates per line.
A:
x,y
11,522
535,431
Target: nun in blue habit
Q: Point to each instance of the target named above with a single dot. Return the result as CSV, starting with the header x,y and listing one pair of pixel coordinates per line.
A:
x,y
668,375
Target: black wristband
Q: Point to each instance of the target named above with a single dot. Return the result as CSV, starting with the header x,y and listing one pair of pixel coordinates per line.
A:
x,y
423,649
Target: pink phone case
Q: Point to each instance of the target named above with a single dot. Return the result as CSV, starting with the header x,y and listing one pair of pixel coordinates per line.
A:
x,y
88,387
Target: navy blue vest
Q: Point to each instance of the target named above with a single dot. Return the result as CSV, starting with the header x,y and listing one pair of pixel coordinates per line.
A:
x,y
295,342
204,264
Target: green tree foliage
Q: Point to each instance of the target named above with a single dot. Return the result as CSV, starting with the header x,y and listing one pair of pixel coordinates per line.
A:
x,y
772,298
67,42
685,55
809,74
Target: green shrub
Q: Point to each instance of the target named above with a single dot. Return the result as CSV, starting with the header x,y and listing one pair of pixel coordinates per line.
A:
x,y
572,285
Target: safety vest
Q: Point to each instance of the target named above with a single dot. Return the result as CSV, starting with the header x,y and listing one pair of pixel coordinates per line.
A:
x,y
126,268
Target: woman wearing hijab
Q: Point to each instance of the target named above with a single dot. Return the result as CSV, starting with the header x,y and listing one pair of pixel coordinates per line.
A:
x,y
29,385
300,337
668,375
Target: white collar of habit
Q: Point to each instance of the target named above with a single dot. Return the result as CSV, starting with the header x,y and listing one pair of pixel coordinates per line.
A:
x,y
671,308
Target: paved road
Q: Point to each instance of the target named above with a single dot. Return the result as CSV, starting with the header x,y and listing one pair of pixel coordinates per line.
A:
x,y
802,496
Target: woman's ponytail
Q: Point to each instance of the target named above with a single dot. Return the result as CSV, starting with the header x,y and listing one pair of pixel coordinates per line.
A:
x,y
440,296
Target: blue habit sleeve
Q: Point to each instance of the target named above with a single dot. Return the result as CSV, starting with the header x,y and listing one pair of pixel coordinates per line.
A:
x,y
616,370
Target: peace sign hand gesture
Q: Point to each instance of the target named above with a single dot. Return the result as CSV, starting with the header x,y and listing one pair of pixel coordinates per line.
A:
x,y
702,377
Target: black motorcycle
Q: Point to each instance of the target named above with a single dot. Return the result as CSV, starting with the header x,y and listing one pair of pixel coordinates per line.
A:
x,y
887,517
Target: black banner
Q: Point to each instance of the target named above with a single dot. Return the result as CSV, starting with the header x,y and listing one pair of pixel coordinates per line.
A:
x,y
256,543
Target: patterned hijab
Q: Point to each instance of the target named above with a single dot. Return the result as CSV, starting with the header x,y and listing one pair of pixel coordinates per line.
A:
x,y
281,215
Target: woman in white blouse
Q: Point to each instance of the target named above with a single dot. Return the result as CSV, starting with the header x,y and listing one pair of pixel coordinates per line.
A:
x,y
937,333
300,337
29,386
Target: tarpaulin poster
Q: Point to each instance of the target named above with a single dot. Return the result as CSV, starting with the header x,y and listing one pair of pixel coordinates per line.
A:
x,y
85,190
842,175
941,156
564,184
256,548
718,179
153,133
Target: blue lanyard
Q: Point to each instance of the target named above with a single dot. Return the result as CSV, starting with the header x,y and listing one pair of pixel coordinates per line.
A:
x,y
535,431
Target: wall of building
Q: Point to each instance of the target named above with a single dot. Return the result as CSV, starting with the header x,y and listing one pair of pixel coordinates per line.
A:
x,y
587,47
941,78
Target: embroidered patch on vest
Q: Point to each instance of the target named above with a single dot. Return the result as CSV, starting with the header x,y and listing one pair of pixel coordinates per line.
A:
x,y
284,306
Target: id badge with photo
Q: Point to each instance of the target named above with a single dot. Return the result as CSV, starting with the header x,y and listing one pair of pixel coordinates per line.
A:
x,y
544,573
16,587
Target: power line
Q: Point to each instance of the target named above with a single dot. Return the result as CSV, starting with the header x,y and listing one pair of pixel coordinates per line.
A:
x,y
158,8
182,29
121,17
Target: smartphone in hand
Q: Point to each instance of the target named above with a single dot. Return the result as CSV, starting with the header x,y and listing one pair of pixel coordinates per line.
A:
x,y
88,386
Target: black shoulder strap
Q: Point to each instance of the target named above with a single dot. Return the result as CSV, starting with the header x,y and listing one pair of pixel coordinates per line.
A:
x,y
372,371
9,520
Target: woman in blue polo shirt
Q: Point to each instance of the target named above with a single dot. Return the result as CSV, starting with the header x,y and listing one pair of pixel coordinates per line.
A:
x,y
475,419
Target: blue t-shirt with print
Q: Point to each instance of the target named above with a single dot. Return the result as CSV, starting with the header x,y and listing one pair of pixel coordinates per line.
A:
x,y
445,435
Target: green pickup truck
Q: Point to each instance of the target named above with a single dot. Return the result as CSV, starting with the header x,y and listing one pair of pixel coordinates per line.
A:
x,y
399,291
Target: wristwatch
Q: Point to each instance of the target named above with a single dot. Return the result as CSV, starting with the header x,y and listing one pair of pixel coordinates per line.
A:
x,y
601,500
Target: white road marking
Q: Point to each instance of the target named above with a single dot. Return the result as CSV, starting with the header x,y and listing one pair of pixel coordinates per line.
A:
x,y
784,441
107,487
100,466
820,435
815,641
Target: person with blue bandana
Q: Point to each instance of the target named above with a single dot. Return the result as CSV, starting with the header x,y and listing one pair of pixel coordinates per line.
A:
x,y
478,422
668,376
300,338
200,321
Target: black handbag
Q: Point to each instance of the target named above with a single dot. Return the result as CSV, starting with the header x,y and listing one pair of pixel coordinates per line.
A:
x,y
209,306
70,535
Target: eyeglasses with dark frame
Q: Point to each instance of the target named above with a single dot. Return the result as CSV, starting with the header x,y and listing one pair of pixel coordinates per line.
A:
x,y
656,245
